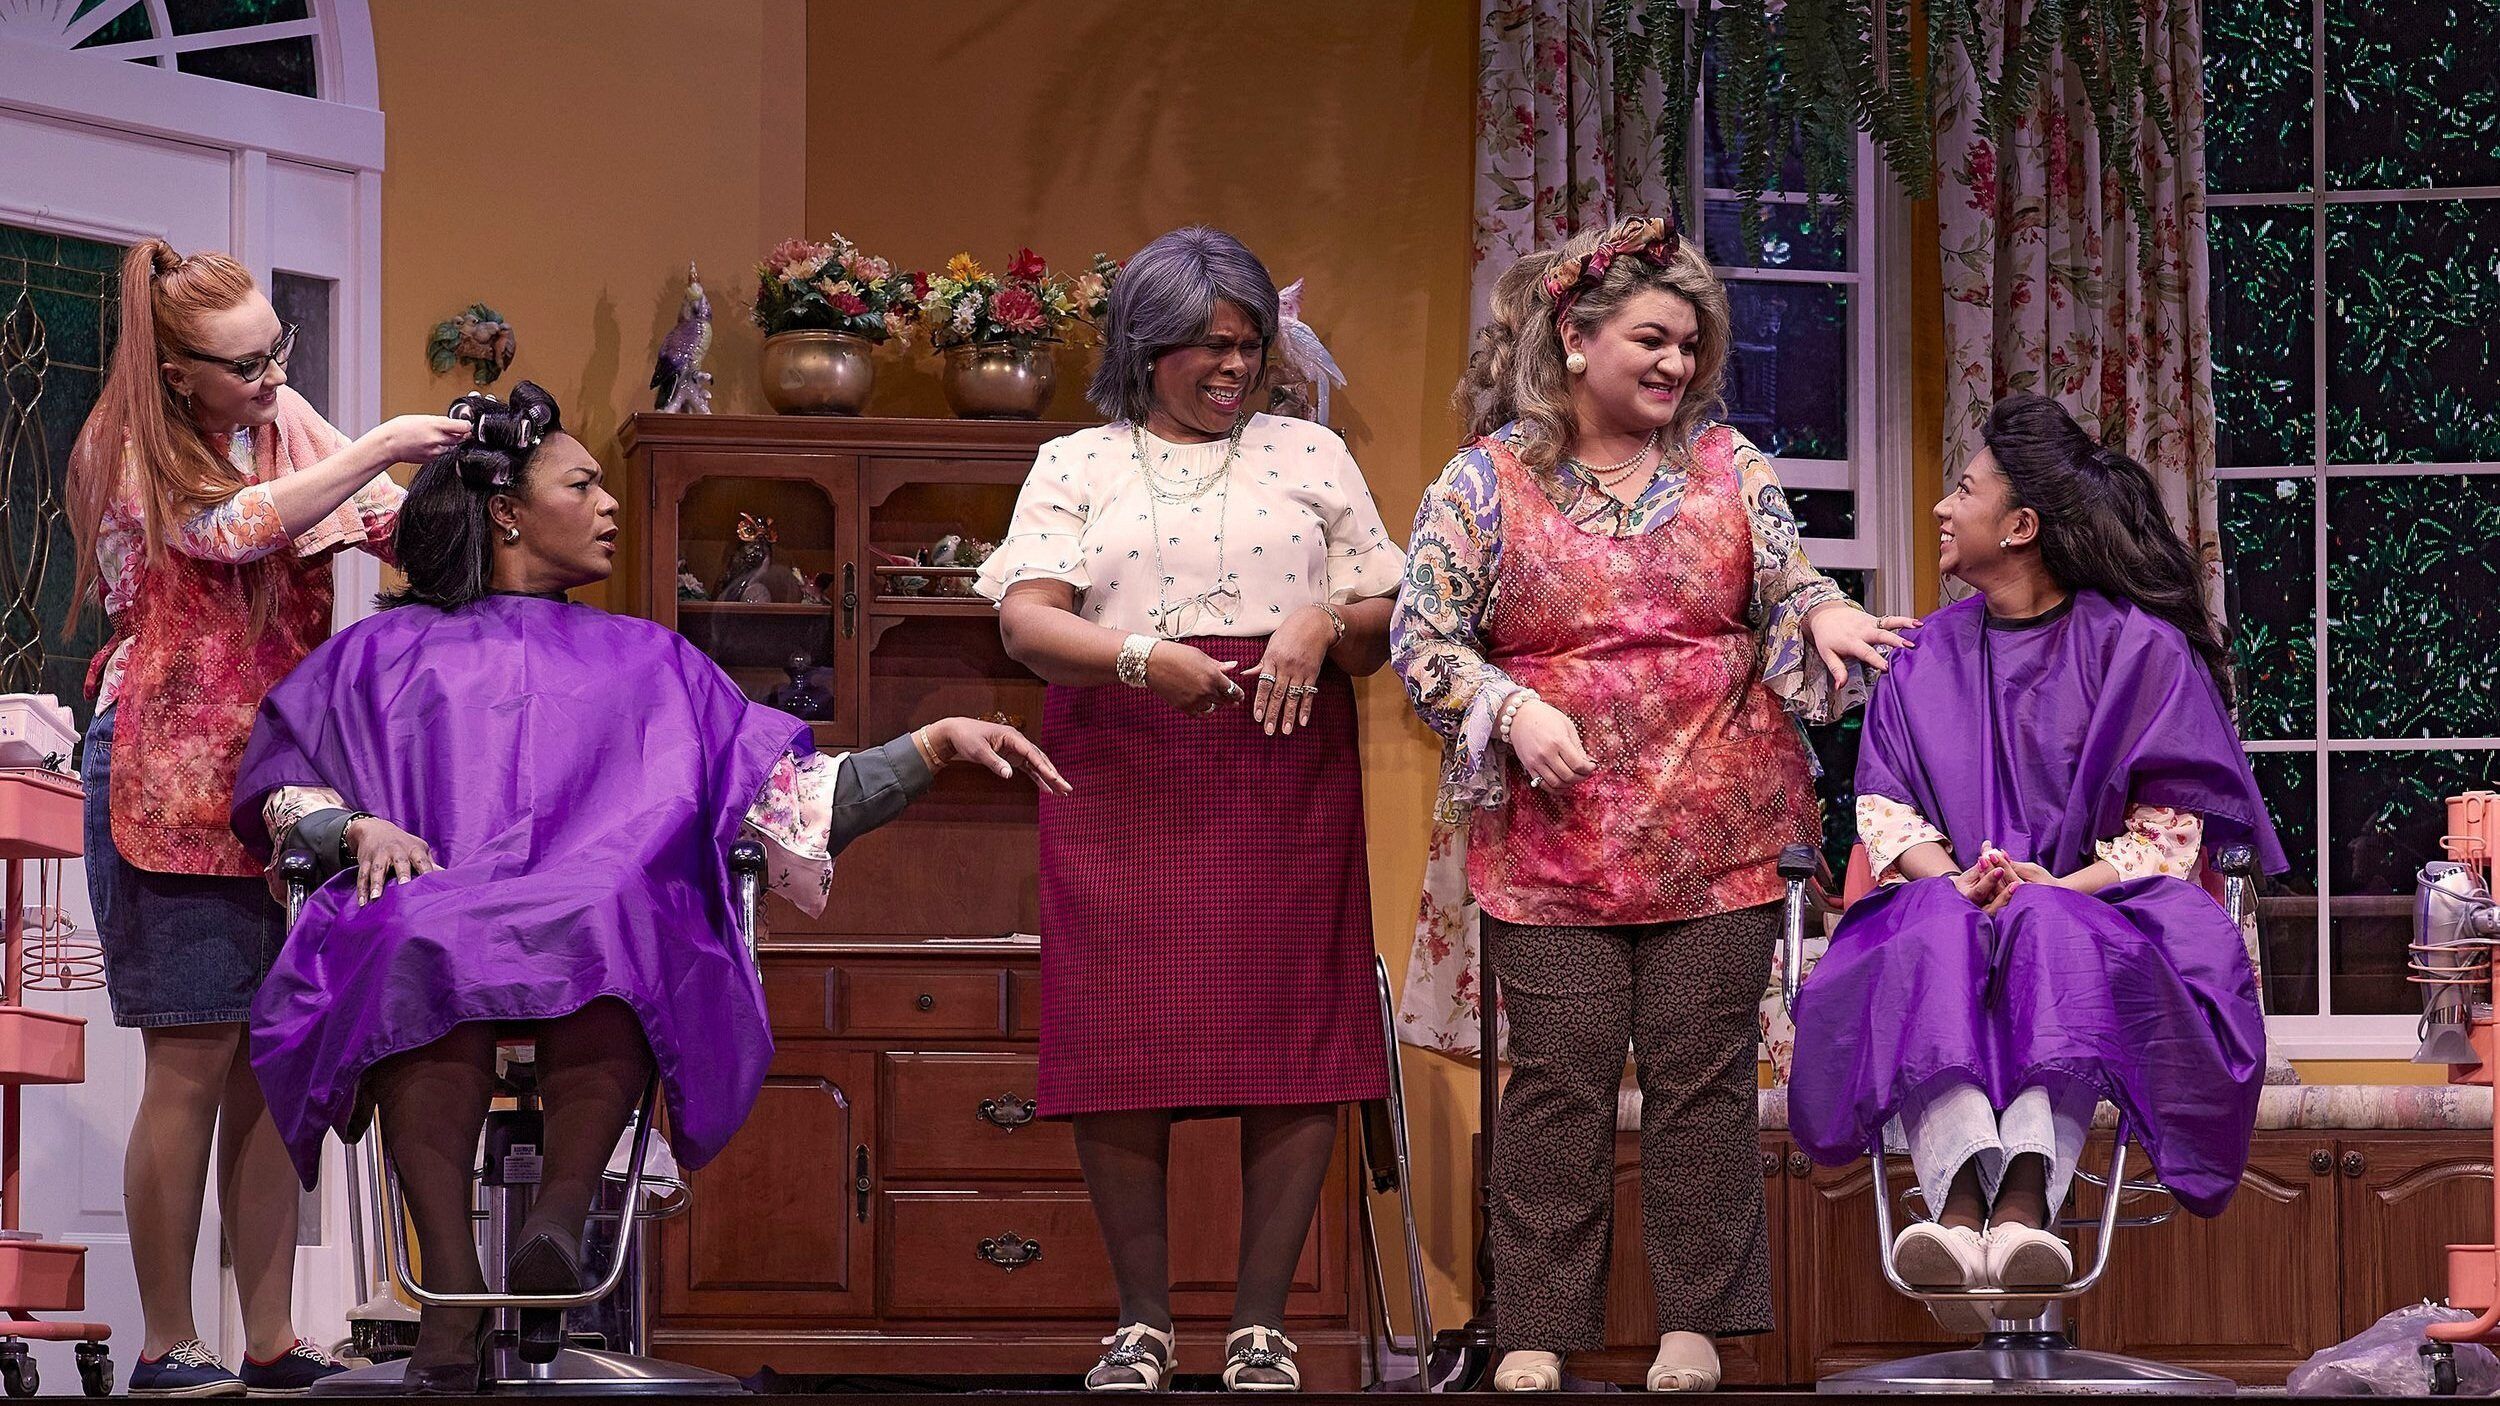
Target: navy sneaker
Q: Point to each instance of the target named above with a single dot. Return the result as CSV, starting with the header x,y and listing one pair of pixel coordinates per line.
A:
x,y
292,1374
186,1369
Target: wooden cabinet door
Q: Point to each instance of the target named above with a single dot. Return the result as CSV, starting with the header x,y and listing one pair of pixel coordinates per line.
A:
x,y
1631,1318
2405,1197
779,1228
2248,1295
1205,1205
1844,1314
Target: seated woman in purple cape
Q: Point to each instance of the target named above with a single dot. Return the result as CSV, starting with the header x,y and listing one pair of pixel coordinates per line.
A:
x,y
533,803
2037,784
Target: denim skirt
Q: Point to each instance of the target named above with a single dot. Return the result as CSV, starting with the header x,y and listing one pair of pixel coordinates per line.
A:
x,y
179,949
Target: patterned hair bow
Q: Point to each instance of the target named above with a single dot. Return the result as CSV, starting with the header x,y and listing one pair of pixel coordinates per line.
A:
x,y
1649,237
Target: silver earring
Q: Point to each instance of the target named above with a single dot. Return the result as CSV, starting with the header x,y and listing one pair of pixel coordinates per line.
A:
x,y
511,535
1576,364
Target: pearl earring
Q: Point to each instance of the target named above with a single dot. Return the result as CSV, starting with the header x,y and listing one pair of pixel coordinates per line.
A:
x,y
2005,543
1576,364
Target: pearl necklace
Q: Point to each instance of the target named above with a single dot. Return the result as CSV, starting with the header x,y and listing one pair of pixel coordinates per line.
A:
x,y
1610,474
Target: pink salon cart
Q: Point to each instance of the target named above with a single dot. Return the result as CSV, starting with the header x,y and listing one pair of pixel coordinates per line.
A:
x,y
40,819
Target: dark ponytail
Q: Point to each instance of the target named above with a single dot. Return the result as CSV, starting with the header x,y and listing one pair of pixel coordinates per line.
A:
x,y
2102,525
445,536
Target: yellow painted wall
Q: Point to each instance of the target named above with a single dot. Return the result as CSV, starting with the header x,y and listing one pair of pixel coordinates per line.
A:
x,y
561,161
1335,140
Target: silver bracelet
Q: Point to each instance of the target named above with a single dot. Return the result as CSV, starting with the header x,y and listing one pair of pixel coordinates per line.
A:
x,y
1131,665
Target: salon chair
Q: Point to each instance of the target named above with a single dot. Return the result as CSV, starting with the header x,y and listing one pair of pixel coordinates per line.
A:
x,y
2014,1355
506,1183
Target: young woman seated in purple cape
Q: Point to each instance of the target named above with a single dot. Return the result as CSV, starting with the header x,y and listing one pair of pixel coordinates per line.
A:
x,y
533,802
2038,784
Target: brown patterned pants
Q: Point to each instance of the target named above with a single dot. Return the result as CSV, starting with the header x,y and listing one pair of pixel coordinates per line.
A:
x,y
1683,996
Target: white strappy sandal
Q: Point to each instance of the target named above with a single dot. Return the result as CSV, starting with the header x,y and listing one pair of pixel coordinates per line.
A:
x,y
1267,1349
1139,1360
1528,1370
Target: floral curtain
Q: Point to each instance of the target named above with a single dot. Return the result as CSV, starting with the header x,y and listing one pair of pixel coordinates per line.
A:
x,y
1556,150
2045,286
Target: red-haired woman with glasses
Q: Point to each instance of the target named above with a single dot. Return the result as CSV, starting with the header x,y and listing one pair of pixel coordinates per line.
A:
x,y
207,499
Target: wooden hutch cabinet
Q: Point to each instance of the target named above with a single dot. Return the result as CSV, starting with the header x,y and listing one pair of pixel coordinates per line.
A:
x,y
893,1206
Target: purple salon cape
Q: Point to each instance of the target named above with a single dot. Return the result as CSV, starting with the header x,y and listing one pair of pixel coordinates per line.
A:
x,y
580,777
2039,738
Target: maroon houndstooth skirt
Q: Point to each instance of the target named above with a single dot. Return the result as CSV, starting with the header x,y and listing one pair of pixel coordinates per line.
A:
x,y
1206,912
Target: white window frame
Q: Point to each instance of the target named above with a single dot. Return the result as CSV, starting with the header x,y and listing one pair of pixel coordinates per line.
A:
x,y
340,131
1880,391
2327,1035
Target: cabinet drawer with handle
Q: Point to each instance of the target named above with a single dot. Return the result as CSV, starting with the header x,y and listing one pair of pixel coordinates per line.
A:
x,y
958,1116
1020,1254
921,1000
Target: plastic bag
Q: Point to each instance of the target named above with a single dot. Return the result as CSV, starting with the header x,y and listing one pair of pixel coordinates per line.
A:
x,y
2386,1360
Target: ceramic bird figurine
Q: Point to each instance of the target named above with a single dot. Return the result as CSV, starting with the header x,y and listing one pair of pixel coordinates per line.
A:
x,y
684,386
478,338
746,572
1305,356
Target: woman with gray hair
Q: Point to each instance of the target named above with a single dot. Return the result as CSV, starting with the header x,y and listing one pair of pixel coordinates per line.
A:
x,y
1198,584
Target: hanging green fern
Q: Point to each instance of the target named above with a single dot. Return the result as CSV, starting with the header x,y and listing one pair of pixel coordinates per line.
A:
x,y
1805,77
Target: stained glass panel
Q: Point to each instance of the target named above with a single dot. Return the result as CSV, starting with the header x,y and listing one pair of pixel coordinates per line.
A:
x,y
2410,96
2413,332
2265,385
57,302
2413,606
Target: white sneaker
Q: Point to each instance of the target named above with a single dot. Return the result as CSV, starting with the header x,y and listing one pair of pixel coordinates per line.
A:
x,y
2019,1257
1932,1256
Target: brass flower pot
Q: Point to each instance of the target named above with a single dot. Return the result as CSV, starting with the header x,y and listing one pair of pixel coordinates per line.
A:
x,y
818,373
999,382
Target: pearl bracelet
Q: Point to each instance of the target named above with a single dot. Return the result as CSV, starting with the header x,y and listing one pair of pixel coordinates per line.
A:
x,y
1130,667
1510,711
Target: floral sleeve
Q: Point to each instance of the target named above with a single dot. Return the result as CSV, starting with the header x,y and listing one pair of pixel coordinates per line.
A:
x,y
1435,642
793,817
1889,830
2157,840
286,806
1787,589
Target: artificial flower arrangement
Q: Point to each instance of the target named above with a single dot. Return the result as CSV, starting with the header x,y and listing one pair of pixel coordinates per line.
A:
x,y
966,305
806,286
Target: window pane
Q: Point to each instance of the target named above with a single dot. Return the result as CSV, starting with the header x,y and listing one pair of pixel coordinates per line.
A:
x,y
128,27
2413,601
57,303
1788,370
2257,95
1791,237
2410,99
2265,386
307,302
1719,157
2287,905
2413,332
2388,811
281,65
2269,551
1824,512
200,16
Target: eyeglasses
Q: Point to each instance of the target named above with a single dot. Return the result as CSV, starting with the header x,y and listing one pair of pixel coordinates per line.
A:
x,y
249,369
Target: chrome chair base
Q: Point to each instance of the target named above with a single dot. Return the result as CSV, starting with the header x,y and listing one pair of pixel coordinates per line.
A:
x,y
574,1372
2025,1364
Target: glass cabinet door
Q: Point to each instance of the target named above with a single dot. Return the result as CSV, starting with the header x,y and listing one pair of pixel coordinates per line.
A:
x,y
766,583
